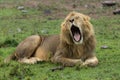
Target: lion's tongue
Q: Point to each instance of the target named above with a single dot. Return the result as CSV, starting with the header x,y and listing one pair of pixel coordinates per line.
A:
x,y
77,36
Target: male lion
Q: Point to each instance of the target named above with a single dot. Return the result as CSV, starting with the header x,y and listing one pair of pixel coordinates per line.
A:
x,y
75,44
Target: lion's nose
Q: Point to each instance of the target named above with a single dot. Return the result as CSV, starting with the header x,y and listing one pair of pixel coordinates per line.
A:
x,y
71,20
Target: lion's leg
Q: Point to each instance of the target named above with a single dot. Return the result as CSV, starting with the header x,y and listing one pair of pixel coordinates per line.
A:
x,y
67,61
27,47
42,53
31,60
92,61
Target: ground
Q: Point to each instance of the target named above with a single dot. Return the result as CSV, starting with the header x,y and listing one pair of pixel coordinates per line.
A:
x,y
45,17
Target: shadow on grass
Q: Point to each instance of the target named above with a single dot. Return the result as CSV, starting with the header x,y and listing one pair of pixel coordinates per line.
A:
x,y
9,43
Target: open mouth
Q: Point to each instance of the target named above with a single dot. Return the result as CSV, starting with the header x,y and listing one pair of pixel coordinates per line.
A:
x,y
76,34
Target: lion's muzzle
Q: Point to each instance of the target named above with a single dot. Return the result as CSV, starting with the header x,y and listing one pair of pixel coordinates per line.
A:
x,y
76,33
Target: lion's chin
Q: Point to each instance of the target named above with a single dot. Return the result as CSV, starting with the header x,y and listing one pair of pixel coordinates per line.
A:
x,y
76,34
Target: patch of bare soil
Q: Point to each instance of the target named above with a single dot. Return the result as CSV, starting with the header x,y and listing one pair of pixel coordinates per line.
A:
x,y
60,8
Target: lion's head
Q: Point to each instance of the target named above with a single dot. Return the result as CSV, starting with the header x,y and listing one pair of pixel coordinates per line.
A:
x,y
76,28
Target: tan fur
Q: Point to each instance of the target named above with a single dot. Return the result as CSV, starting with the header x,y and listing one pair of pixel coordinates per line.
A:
x,y
70,53
61,49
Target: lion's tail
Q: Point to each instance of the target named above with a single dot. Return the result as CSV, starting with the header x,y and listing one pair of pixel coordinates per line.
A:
x,y
10,57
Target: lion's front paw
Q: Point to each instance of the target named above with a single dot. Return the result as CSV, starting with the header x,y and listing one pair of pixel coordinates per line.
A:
x,y
79,62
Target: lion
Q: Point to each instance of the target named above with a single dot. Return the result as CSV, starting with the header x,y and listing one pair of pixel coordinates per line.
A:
x,y
75,44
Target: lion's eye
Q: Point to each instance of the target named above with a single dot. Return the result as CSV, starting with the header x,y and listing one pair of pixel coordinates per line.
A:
x,y
71,20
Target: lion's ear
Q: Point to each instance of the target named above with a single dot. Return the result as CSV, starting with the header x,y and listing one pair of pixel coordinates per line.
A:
x,y
86,18
63,26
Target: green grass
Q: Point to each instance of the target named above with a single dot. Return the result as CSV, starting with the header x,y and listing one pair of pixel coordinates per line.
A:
x,y
15,26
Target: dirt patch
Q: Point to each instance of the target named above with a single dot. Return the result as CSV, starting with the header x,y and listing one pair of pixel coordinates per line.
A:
x,y
60,8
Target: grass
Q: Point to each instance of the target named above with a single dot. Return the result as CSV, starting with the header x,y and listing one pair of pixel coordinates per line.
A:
x,y
15,26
